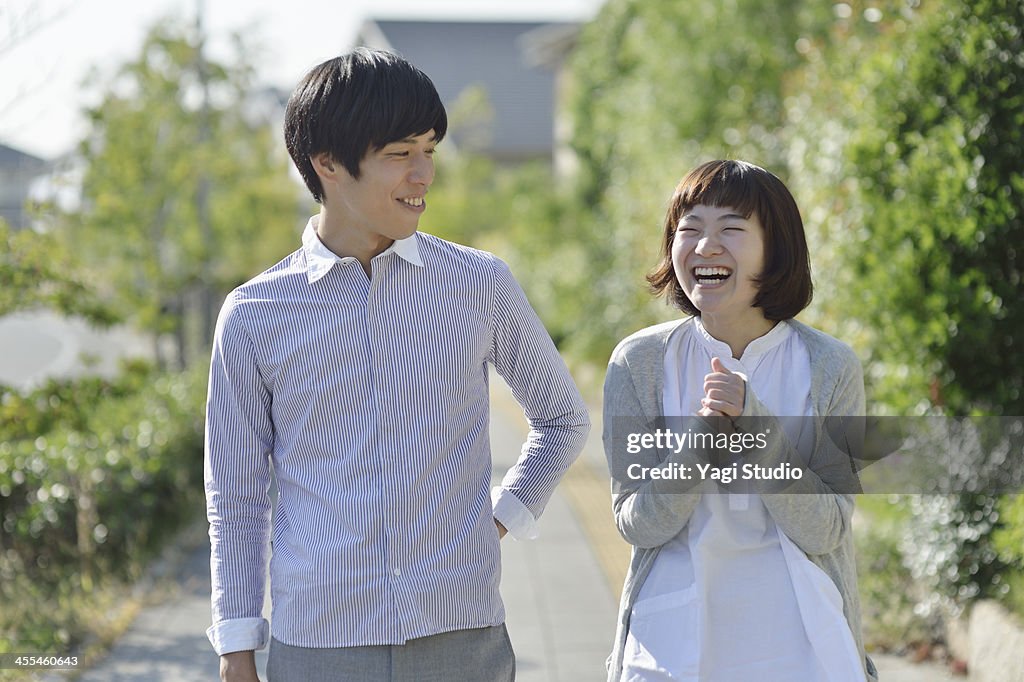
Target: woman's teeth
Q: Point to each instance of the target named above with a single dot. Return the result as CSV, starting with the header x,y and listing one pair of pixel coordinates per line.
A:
x,y
711,275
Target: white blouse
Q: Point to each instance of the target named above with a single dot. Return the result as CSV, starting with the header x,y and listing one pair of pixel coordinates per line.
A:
x,y
731,597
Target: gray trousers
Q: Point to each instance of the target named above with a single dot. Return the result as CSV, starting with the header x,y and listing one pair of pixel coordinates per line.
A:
x,y
478,655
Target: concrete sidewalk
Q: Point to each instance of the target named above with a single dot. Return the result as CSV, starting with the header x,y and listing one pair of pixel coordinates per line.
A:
x,y
560,591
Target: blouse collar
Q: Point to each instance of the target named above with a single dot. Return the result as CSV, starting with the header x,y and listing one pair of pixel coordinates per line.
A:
x,y
756,348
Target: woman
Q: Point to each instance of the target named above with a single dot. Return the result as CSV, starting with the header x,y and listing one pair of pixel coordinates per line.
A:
x,y
757,585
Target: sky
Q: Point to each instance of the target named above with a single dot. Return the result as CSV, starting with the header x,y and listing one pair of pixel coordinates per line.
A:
x,y
48,47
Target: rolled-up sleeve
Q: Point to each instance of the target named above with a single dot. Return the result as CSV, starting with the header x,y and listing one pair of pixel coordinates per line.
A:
x,y
524,355
239,442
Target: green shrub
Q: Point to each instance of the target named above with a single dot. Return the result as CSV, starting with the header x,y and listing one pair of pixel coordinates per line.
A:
x,y
948,546
889,592
1008,540
94,475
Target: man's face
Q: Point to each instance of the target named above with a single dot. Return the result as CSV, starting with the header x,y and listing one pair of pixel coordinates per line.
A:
x,y
389,196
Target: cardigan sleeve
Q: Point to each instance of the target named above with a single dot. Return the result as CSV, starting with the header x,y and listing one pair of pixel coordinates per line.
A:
x,y
648,513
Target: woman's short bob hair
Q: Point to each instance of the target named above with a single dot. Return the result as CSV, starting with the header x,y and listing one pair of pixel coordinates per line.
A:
x,y
355,103
784,286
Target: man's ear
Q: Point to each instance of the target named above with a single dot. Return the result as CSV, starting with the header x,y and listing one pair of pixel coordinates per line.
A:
x,y
324,165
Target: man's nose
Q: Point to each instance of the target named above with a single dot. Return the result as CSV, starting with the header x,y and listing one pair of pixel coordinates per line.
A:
x,y
422,172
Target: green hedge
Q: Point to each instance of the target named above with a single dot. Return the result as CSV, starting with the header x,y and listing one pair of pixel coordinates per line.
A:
x,y
1009,542
94,475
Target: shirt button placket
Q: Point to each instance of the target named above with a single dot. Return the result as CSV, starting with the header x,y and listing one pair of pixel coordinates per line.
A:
x,y
383,386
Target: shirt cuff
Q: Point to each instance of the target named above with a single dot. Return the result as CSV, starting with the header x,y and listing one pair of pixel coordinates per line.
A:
x,y
513,514
239,634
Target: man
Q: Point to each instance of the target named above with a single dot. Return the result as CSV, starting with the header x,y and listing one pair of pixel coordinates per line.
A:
x,y
356,370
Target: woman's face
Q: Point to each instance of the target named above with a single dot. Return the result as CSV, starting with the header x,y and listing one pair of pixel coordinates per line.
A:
x,y
716,254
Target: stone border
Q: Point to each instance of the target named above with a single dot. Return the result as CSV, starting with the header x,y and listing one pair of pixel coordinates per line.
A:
x,y
995,640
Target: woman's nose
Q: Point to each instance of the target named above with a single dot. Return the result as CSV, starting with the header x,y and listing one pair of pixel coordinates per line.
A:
x,y
708,245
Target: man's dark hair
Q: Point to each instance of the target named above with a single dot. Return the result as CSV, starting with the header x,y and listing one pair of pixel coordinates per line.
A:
x,y
784,286
356,103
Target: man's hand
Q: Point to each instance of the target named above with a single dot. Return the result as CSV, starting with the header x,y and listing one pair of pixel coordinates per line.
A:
x,y
238,666
724,392
502,531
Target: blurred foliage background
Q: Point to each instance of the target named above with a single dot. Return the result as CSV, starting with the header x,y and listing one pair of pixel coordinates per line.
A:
x,y
896,124
184,193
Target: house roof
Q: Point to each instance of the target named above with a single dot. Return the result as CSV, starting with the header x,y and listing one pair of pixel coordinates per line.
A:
x,y
491,55
14,159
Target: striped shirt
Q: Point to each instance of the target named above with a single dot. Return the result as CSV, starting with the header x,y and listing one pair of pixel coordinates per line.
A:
x,y
367,399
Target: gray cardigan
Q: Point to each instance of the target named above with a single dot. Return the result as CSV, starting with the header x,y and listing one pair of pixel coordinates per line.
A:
x,y
648,514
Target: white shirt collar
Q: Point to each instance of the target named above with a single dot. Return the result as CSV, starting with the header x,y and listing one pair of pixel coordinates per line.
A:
x,y
320,259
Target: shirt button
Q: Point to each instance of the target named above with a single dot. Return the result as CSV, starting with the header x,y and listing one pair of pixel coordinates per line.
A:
x,y
398,572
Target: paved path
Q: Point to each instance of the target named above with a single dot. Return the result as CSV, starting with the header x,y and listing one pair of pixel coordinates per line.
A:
x,y
560,590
